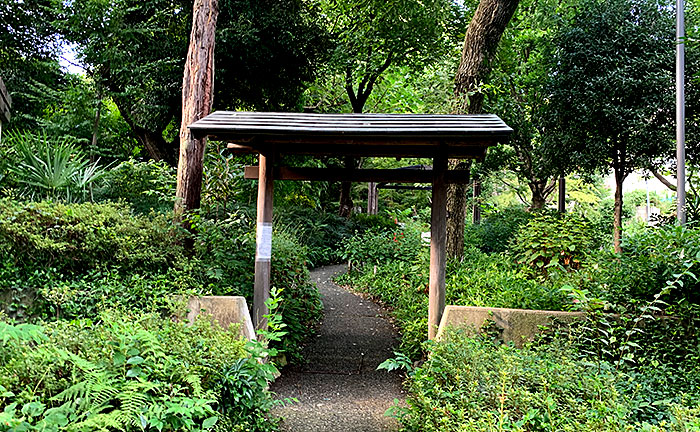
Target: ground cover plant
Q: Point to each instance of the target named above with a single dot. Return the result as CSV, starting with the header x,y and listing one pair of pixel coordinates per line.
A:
x,y
393,267
130,371
480,384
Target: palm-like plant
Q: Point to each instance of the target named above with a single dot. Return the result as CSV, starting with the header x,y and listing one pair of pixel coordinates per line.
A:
x,y
52,168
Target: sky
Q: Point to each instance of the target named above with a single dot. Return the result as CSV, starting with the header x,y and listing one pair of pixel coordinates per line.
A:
x,y
69,61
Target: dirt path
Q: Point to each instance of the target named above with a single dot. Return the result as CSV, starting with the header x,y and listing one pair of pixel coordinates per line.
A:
x,y
339,389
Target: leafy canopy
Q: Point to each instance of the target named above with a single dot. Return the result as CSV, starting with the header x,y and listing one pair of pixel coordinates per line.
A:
x,y
610,99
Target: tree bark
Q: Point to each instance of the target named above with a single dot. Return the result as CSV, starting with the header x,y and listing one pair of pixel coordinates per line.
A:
x,y
663,180
197,99
561,197
95,129
476,201
480,43
152,141
541,190
617,222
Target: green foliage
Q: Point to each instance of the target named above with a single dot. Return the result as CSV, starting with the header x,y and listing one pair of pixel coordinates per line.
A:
x,y
226,249
70,261
75,108
260,45
402,243
516,92
76,238
369,37
650,258
123,372
224,188
28,58
145,185
396,273
136,53
548,241
477,384
497,229
50,168
610,99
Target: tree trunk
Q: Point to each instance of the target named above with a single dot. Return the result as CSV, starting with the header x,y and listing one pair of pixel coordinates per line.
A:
x,y
197,99
457,200
153,142
95,129
541,190
617,223
538,200
480,43
372,198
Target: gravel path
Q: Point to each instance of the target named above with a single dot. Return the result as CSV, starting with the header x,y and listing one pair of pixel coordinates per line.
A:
x,y
339,389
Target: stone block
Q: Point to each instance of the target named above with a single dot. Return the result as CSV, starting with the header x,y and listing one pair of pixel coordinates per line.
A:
x,y
516,325
225,310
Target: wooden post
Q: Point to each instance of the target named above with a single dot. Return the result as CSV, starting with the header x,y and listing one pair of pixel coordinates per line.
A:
x,y
438,234
263,241
372,198
562,195
197,99
476,204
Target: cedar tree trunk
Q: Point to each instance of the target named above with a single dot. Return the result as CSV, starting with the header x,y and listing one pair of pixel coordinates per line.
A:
x,y
480,43
197,99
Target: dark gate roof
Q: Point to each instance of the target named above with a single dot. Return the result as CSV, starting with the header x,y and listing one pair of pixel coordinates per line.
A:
x,y
400,135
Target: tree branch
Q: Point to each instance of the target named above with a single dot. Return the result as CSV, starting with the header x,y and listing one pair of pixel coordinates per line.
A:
x,y
663,180
517,192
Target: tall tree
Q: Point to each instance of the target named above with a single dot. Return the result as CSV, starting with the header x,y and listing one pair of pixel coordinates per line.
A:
x,y
611,90
137,50
371,36
517,94
480,43
197,100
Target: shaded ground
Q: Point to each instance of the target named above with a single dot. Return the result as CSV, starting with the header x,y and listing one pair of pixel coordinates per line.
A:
x,y
339,389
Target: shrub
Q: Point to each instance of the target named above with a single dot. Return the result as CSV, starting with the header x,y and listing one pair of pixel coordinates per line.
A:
x,y
650,257
44,167
496,230
125,372
400,280
72,261
402,243
324,233
553,241
80,237
478,384
145,186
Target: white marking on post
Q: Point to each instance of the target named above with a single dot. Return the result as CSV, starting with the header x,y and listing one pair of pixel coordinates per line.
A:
x,y
263,241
